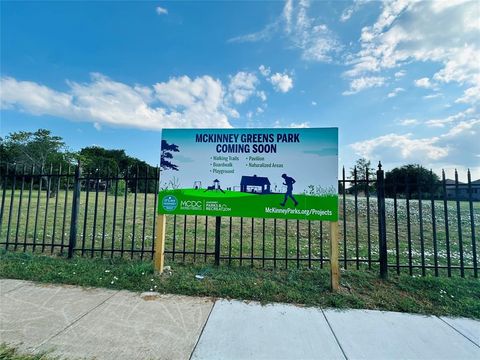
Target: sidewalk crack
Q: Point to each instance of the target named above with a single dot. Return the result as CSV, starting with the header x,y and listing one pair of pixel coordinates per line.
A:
x,y
458,331
16,288
334,335
75,321
201,332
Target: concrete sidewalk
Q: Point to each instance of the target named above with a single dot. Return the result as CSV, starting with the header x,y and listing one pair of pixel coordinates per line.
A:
x,y
73,322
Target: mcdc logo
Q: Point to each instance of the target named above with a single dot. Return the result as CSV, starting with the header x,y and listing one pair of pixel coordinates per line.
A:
x,y
191,204
169,203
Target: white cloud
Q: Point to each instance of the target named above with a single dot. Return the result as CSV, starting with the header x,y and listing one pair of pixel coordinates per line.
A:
x,y
97,126
304,124
423,83
363,83
180,102
395,92
408,122
315,41
470,95
38,99
457,145
263,35
400,74
281,82
242,86
278,124
432,96
262,95
400,147
462,65
424,31
462,115
314,103
350,10
161,11
265,71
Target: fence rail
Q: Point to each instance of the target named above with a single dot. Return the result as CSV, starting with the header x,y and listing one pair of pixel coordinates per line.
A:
x,y
401,226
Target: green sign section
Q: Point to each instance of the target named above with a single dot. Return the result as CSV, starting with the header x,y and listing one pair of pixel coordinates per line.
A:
x,y
265,173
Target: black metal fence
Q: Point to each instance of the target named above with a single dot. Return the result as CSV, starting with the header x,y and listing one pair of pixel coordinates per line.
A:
x,y
403,226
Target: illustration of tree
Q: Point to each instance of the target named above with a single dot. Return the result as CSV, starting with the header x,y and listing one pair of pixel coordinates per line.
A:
x,y
166,155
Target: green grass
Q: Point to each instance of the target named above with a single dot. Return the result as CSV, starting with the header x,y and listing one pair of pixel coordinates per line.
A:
x,y
137,235
10,353
360,289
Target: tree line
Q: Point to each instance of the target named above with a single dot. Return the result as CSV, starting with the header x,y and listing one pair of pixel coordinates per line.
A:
x,y
409,179
41,152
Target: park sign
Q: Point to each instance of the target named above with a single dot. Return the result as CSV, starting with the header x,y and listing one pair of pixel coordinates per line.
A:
x,y
264,173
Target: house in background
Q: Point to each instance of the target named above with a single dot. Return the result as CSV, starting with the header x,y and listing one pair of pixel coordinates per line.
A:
x,y
255,184
463,193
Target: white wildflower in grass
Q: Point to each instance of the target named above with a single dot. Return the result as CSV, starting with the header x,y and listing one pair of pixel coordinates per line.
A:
x,y
155,286
151,289
111,282
143,273
151,279
74,273
107,271
115,278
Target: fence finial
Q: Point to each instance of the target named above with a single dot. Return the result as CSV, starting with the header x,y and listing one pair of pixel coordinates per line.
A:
x,y
379,165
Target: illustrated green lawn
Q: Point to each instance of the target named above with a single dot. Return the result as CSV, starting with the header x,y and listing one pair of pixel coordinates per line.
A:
x,y
209,193
236,203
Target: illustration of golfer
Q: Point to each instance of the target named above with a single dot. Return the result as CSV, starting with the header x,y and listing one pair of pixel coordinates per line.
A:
x,y
289,181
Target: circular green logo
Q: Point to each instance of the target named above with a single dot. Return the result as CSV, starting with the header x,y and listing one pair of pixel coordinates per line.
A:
x,y
169,203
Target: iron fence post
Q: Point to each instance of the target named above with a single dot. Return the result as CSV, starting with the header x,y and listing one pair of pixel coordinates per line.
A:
x,y
218,222
382,233
75,207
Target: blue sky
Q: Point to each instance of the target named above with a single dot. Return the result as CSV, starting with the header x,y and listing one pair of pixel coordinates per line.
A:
x,y
399,78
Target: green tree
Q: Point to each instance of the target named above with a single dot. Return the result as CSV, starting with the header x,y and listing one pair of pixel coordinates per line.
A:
x,y
102,162
409,180
40,149
363,167
98,159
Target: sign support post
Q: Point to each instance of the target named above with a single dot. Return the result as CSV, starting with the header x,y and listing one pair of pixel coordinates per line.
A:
x,y
159,257
334,265
218,223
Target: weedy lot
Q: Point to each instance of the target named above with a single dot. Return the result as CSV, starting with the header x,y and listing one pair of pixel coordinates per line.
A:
x,y
10,353
108,226
454,296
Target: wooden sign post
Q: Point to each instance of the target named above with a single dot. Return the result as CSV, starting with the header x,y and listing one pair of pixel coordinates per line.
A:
x,y
334,266
159,257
